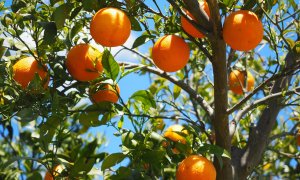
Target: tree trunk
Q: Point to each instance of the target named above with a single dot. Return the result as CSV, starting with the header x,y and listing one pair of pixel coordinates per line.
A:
x,y
246,160
220,119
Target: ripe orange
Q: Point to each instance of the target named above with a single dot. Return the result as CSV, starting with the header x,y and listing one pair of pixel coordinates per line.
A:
x,y
242,30
110,27
172,133
170,53
188,27
25,69
106,93
56,171
84,62
196,167
237,81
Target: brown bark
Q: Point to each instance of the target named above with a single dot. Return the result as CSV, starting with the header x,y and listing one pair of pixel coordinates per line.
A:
x,y
245,161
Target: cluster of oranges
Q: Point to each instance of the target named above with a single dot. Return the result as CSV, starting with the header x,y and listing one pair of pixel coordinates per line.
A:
x,y
109,27
193,167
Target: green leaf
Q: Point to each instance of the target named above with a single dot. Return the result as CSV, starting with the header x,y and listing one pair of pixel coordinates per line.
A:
x,y
75,30
52,2
145,97
141,40
90,5
111,67
17,4
135,25
47,131
49,33
213,149
176,91
120,123
154,156
61,13
85,162
228,3
2,49
34,176
90,116
106,117
89,119
112,160
75,12
27,115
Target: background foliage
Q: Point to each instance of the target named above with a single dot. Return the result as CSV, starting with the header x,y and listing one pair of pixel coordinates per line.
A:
x,y
52,126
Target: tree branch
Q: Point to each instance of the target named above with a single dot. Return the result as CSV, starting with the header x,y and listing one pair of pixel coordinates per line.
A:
x,y
259,135
264,100
208,109
286,72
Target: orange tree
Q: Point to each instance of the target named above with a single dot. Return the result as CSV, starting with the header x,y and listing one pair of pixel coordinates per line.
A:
x,y
44,124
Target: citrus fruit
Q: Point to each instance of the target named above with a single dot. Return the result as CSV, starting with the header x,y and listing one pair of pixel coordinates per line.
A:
x,y
56,171
170,53
237,81
25,69
196,167
105,93
174,133
188,27
242,30
84,62
110,27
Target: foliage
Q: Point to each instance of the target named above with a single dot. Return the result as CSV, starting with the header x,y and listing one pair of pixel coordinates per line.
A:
x,y
53,126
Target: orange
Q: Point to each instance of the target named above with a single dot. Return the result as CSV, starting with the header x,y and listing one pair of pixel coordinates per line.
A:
x,y
25,69
110,27
237,81
196,167
106,93
170,53
172,133
188,27
242,30
56,171
84,62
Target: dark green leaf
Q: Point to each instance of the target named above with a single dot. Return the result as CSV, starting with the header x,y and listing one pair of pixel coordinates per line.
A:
x,y
26,115
135,25
112,160
75,12
50,33
85,161
17,4
90,5
52,2
154,156
75,30
141,40
34,176
61,13
111,67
